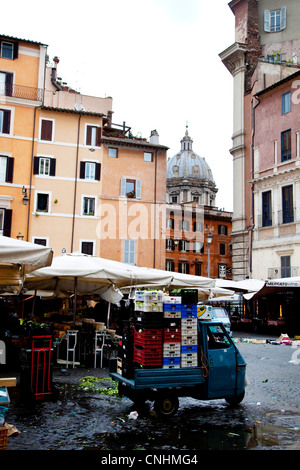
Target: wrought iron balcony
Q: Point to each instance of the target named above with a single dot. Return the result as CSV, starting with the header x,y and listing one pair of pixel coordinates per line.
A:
x,y
20,91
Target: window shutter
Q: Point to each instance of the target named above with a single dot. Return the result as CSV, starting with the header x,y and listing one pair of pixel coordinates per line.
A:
x,y
126,251
98,137
8,84
282,18
52,166
267,21
46,132
98,172
36,165
7,222
16,50
123,187
6,122
82,170
9,170
138,187
88,135
131,251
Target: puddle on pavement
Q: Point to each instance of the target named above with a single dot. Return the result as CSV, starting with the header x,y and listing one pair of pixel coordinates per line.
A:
x,y
261,437
268,435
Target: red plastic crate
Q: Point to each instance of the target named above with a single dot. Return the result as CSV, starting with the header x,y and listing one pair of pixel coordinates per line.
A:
x,y
172,335
147,356
148,337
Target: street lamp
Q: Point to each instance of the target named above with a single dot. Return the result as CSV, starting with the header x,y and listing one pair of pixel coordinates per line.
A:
x,y
25,197
209,238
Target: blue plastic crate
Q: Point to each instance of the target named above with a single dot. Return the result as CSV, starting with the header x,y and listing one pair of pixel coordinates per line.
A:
x,y
173,307
189,311
171,360
192,308
189,348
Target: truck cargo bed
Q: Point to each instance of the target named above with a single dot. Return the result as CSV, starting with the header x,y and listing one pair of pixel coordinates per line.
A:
x,y
162,378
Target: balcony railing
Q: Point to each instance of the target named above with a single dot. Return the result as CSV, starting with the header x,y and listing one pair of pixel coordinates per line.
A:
x,y
276,218
20,91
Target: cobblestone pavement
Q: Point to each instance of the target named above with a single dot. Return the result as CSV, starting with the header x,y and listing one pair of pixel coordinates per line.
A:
x,y
268,418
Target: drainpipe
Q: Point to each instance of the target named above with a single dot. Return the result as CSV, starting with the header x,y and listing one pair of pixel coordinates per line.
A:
x,y
75,186
252,184
31,172
155,194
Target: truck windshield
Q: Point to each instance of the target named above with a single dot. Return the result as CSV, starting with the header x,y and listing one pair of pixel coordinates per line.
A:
x,y
217,337
219,313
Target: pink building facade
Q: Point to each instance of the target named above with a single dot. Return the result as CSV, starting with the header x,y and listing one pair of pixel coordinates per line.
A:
x,y
265,62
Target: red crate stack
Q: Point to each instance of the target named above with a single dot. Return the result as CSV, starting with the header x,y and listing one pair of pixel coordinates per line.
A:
x,y
148,346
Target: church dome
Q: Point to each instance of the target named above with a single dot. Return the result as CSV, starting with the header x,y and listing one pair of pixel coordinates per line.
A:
x,y
189,177
187,164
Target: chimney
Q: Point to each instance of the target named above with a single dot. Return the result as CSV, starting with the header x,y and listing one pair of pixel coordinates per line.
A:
x,y
54,73
154,137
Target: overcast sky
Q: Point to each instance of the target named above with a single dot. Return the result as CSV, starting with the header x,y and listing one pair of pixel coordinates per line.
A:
x,y
158,59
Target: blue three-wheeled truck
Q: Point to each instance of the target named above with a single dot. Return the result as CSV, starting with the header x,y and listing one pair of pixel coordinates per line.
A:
x,y
220,373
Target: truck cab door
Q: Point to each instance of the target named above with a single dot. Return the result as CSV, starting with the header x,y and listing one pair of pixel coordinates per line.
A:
x,y
222,362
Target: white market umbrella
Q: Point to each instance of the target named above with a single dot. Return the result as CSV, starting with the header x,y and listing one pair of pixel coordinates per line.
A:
x,y
89,275
93,275
17,258
81,274
246,285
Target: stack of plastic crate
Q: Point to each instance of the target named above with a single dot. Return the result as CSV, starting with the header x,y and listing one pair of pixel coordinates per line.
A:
x,y
172,332
125,351
148,329
189,329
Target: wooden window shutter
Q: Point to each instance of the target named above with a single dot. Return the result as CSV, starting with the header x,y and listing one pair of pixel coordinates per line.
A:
x,y
82,170
9,170
98,171
16,50
283,18
123,187
6,122
46,132
52,166
98,137
88,135
267,22
36,165
8,84
138,189
7,222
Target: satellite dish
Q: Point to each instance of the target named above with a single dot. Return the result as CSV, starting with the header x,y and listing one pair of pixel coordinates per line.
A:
x,y
76,107
82,108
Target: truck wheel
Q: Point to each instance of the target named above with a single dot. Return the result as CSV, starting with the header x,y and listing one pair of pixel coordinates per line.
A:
x,y
166,405
233,401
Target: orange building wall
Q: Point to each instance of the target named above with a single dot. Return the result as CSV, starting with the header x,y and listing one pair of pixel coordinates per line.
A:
x,y
18,144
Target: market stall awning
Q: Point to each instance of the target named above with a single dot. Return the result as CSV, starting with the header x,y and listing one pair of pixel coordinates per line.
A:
x,y
244,286
94,276
17,258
